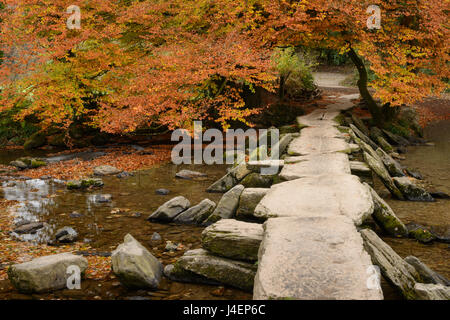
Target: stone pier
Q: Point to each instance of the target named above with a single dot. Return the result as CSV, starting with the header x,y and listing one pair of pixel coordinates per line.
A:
x,y
311,248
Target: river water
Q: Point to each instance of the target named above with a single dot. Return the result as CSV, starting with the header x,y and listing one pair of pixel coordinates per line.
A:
x,y
103,227
433,162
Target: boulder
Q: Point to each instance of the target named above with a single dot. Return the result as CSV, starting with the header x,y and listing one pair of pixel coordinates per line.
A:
x,y
398,272
233,239
169,210
45,273
248,201
224,184
364,137
360,124
396,139
19,164
106,170
135,266
101,198
234,273
178,274
66,235
432,291
385,217
414,174
256,180
313,258
393,167
426,274
411,191
190,175
196,214
227,206
380,170
240,171
162,192
284,142
420,233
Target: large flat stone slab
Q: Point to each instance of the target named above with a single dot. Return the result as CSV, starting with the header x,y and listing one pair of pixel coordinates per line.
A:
x,y
303,145
313,258
313,165
318,196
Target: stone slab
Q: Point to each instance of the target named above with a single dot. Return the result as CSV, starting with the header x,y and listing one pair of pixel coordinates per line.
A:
x,y
313,258
325,195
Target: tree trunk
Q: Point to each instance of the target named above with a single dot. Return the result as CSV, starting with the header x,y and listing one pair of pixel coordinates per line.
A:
x,y
364,91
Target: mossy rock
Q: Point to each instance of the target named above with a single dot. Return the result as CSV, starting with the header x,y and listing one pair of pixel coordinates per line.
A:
x,y
256,180
57,140
84,184
288,129
422,235
35,141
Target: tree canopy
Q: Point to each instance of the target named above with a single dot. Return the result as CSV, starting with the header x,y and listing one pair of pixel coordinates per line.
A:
x,y
168,62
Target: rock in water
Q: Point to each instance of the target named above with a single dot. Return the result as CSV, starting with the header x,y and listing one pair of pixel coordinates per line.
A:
x,y
426,274
383,174
196,214
106,170
303,258
227,206
162,192
45,273
411,191
169,210
401,274
224,184
432,291
237,274
135,266
66,235
248,201
29,228
385,216
233,239
420,233
394,168
189,175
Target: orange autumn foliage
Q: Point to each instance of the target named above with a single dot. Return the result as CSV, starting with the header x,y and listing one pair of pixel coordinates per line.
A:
x,y
168,62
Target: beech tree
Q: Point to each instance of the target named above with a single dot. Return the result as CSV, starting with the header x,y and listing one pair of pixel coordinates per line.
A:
x,y
409,54
168,62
